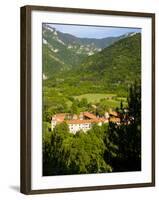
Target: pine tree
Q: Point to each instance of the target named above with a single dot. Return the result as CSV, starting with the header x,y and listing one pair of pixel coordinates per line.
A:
x,y
124,140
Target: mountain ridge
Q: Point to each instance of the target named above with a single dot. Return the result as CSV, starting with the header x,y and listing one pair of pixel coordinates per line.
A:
x,y
111,70
62,51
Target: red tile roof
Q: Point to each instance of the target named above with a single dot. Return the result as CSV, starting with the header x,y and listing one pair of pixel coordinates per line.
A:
x,y
92,119
85,121
114,119
89,115
113,113
59,117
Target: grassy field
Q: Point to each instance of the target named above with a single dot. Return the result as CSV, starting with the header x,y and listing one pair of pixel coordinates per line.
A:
x,y
111,99
95,97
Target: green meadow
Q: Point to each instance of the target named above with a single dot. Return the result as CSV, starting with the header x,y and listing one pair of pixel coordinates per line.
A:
x,y
111,100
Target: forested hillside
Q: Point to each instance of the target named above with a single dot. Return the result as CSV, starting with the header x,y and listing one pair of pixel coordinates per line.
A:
x,y
116,66
63,51
95,76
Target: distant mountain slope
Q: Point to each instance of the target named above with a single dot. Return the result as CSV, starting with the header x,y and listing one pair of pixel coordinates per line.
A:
x,y
117,65
110,71
90,43
63,51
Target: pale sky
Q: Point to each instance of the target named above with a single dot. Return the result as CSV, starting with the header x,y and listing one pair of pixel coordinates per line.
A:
x,y
93,31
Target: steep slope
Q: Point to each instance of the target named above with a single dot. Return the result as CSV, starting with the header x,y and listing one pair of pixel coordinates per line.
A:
x,y
117,65
110,71
63,51
57,55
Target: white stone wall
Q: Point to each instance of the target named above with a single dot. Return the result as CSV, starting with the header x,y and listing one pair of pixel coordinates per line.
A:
x,y
77,127
53,124
73,128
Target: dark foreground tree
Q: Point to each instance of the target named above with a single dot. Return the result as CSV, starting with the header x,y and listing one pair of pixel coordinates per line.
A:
x,y
124,140
65,153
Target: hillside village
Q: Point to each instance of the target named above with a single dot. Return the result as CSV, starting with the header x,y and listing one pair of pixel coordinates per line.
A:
x,y
84,121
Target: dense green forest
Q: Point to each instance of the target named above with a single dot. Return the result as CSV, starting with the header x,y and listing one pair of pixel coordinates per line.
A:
x,y
94,76
106,148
